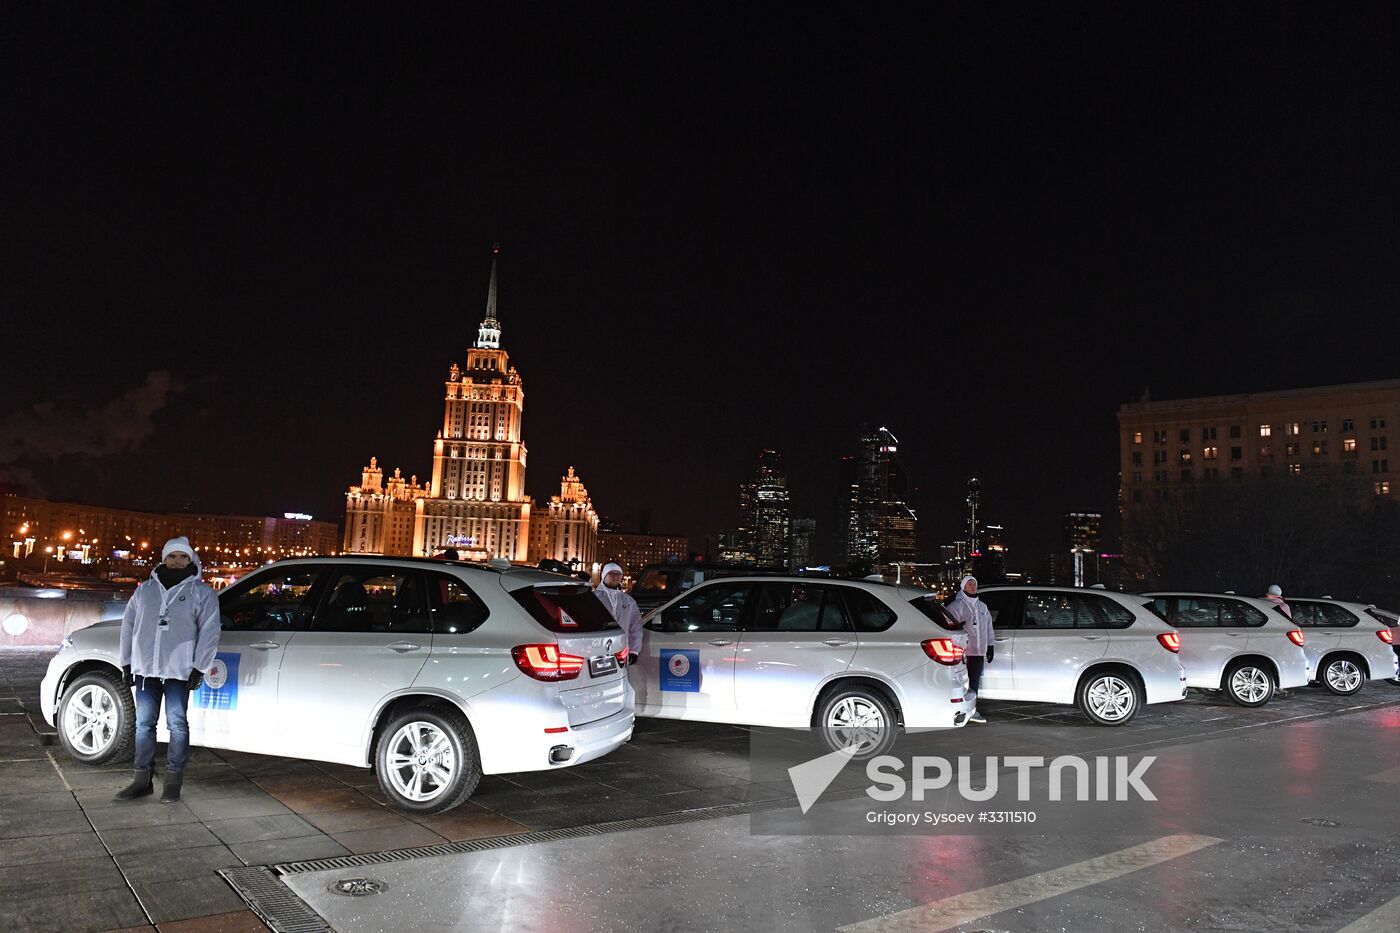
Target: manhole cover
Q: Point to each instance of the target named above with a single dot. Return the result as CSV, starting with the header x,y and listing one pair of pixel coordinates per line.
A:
x,y
1318,821
357,887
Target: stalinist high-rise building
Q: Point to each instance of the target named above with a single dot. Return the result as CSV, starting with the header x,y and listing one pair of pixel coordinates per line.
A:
x,y
475,501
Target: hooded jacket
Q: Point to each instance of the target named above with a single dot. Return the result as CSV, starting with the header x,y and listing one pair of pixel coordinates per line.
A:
x,y
190,637
624,610
976,619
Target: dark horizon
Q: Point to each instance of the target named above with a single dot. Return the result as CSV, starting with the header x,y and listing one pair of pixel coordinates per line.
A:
x,y
240,255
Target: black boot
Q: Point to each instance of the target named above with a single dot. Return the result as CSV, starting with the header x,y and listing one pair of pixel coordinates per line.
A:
x,y
170,793
140,785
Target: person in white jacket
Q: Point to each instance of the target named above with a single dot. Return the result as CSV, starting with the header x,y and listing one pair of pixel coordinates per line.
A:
x,y
623,608
977,623
170,634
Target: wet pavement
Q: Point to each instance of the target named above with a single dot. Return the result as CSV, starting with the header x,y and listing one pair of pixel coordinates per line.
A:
x,y
72,859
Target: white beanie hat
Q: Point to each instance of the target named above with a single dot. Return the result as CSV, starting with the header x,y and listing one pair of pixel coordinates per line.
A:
x,y
609,568
1274,590
181,544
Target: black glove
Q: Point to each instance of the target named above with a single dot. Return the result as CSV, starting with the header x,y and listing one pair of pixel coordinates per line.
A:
x,y
991,649
632,659
196,678
126,676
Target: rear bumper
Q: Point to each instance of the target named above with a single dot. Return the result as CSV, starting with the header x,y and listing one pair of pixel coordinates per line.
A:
x,y
933,696
528,748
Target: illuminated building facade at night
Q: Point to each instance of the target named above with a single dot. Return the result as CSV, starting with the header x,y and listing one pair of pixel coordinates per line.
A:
x,y
475,501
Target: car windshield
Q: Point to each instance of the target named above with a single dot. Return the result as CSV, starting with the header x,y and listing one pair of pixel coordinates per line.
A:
x,y
931,607
659,581
565,608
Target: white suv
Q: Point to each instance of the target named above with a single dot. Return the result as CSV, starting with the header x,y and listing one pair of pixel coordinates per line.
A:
x,y
432,672
1346,644
1100,650
1235,644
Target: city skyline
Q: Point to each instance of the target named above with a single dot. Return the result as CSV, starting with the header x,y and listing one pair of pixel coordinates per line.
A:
x,y
741,254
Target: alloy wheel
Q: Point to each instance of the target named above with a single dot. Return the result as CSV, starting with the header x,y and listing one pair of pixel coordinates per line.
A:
x,y
90,720
1111,698
420,761
1343,676
1250,684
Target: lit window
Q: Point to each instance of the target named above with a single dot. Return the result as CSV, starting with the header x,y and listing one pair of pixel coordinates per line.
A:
x,y
1266,450
1319,448
1211,453
1186,456
1291,448
1383,488
1296,469
1137,437
1349,445
1265,430
1291,427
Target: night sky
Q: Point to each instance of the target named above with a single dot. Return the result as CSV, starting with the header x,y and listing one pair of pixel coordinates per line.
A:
x,y
238,252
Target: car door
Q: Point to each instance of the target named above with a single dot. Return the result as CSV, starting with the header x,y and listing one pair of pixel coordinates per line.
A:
x,y
236,708
370,637
796,638
1319,636
1051,650
688,654
1206,647
998,678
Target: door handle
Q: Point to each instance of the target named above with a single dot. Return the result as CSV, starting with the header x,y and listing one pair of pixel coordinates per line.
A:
x,y
1091,637
720,642
1235,634
1001,639
402,646
835,642
265,645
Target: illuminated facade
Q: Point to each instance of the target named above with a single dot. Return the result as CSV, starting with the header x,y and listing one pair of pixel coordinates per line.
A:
x,y
635,550
475,501
75,531
877,525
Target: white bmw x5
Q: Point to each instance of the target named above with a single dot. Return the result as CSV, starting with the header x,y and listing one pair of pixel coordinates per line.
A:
x,y
431,672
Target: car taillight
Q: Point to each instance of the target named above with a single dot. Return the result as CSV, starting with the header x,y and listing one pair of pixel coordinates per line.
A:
x,y
622,657
544,662
1171,641
943,650
1296,636
1386,635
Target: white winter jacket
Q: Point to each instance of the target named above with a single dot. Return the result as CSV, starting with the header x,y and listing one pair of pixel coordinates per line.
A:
x,y
188,640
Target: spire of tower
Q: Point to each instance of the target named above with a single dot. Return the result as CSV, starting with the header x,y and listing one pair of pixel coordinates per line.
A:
x,y
489,334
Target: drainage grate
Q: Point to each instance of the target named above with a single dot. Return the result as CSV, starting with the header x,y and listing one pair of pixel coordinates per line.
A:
x,y
273,901
520,839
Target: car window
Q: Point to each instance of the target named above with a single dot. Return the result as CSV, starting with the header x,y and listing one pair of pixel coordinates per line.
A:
x,y
1196,612
658,581
456,609
1101,612
374,600
1337,616
565,608
1002,606
1161,606
1303,613
798,607
1048,610
867,613
1384,617
1234,614
269,602
714,608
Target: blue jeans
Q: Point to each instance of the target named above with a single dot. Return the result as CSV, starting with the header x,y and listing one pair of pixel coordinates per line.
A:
x,y
149,691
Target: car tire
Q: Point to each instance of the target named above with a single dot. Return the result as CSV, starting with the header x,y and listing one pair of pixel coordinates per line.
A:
x,y
1341,675
426,760
1248,684
96,718
1109,698
859,717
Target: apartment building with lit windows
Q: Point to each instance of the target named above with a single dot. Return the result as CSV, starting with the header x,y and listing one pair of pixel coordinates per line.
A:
x,y
1330,430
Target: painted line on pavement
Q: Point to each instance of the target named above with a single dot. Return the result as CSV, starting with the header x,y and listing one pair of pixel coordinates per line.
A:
x,y
949,912
1384,919
1391,776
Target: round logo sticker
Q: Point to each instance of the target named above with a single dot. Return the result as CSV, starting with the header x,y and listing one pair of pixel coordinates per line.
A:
x,y
218,675
680,665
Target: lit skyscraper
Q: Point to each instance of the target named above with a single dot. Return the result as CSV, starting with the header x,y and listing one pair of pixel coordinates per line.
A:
x,y
876,506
